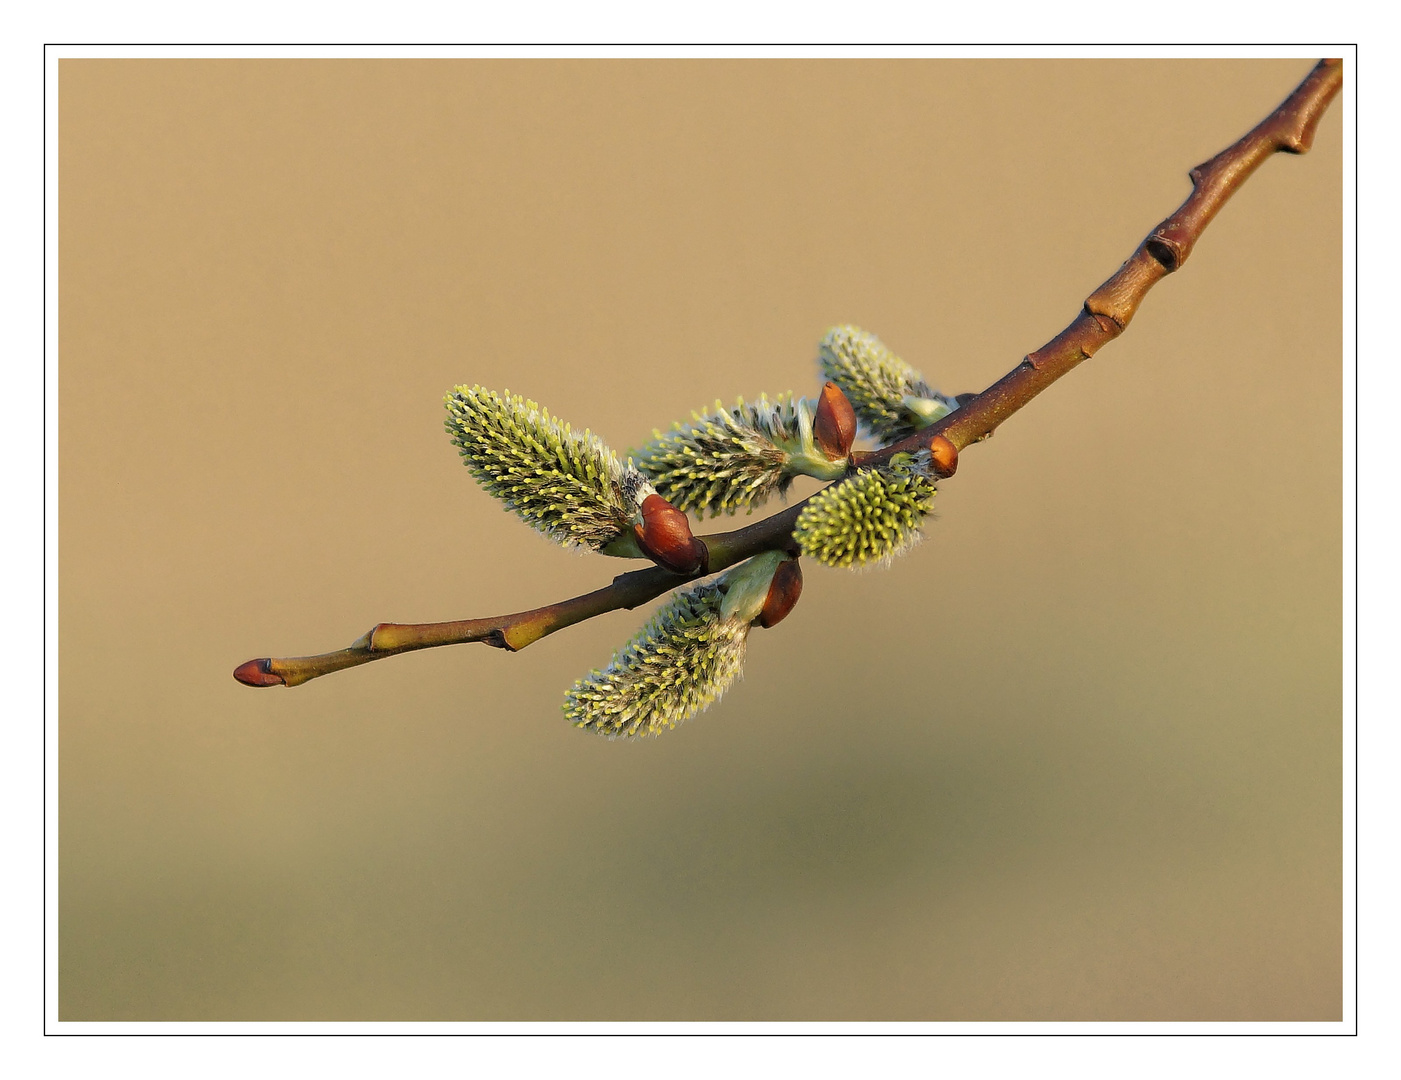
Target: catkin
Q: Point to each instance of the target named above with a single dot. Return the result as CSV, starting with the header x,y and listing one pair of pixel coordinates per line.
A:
x,y
725,460
686,655
568,485
880,386
871,517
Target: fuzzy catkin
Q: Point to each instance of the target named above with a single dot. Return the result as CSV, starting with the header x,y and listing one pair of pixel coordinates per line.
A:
x,y
679,663
568,485
871,517
726,460
876,382
682,660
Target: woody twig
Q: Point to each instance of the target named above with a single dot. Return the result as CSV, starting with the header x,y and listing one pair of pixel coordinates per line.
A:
x,y
921,423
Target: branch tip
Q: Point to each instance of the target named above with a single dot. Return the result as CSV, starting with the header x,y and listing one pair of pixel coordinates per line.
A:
x,y
258,673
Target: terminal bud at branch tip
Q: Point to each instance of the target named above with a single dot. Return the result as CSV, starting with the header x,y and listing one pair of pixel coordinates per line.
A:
x,y
834,424
665,537
784,590
258,673
944,456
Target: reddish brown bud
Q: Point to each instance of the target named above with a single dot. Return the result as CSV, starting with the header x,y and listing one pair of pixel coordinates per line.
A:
x,y
258,673
665,537
834,424
784,590
945,456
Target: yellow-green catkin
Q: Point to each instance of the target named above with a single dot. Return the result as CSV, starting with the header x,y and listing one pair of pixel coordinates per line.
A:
x,y
681,661
871,517
567,484
890,397
737,458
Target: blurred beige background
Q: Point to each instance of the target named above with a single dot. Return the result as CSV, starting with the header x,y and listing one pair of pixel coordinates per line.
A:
x,y
1076,757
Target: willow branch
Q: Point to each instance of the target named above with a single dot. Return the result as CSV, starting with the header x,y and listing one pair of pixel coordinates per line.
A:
x,y
1105,315
1108,310
514,632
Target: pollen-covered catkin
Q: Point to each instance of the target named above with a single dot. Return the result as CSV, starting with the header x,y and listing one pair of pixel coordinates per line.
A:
x,y
871,517
567,484
890,397
725,460
681,661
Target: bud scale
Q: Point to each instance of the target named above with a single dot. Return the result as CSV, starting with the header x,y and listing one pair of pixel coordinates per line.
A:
x,y
890,397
